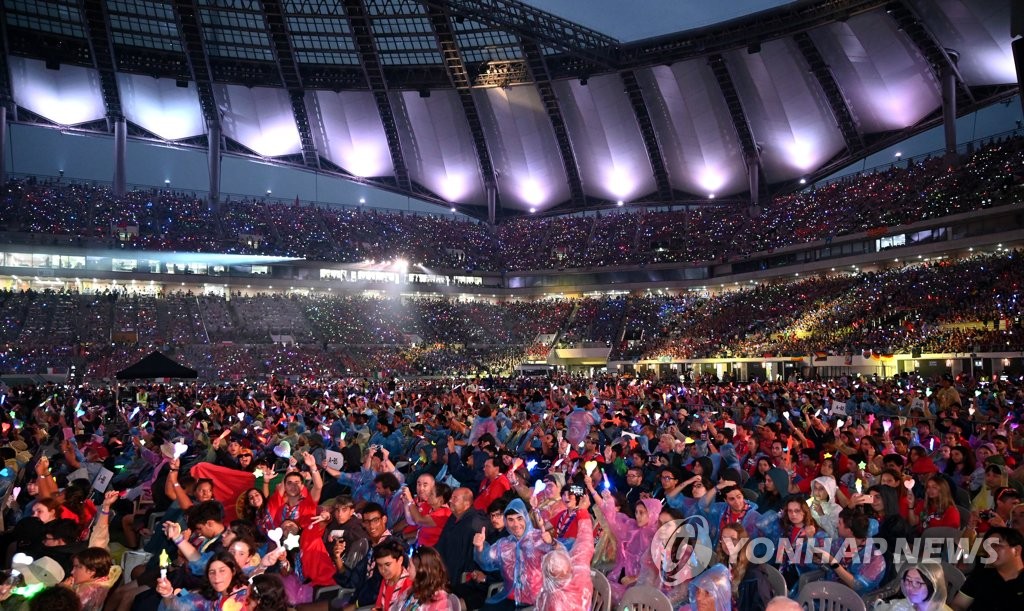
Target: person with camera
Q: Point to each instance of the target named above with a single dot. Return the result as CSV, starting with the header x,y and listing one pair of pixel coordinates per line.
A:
x,y
1005,499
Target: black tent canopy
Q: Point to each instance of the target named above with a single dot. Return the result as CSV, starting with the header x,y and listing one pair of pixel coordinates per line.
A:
x,y
156,365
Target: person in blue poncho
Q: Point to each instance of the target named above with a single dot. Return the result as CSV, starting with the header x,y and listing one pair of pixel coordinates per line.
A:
x,y
518,556
735,508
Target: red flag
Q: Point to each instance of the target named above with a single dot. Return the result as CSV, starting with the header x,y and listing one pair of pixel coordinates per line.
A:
x,y
228,485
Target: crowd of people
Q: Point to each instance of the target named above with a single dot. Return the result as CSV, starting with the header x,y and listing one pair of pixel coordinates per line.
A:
x,y
967,305
50,212
503,493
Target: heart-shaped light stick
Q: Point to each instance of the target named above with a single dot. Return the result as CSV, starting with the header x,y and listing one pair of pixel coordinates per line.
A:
x,y
590,465
180,449
275,536
908,484
538,487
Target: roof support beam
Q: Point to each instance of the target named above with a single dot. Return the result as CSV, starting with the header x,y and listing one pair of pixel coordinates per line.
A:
x,y
446,43
362,32
539,70
649,134
939,57
592,47
273,13
739,121
841,111
739,33
97,27
6,93
187,14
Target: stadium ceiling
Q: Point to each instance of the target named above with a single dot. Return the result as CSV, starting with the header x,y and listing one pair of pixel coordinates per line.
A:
x,y
442,99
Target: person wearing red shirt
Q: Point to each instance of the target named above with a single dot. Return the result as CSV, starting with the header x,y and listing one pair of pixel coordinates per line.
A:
x,y
494,485
291,500
936,508
395,582
429,515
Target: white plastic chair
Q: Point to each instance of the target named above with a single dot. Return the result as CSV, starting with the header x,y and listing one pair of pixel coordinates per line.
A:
x,y
601,600
644,598
829,596
955,579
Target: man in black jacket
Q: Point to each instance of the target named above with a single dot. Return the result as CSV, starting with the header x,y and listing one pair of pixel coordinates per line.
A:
x,y
455,547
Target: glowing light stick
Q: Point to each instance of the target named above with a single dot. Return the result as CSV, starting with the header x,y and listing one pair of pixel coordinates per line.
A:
x,y
909,484
931,443
840,423
886,425
858,486
291,541
590,465
606,485
971,410
530,465
179,450
241,417
165,561
29,591
135,412
258,473
538,487
275,536
862,465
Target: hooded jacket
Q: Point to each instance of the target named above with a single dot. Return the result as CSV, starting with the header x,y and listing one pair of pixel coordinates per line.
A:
x,y
931,573
773,502
567,582
828,516
716,581
634,541
519,560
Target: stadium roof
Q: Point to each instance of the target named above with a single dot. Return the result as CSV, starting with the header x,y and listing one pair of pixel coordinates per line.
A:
x,y
441,98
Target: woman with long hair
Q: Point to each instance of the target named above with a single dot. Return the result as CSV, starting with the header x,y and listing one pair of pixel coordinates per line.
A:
x,y
961,468
429,591
798,529
731,552
937,507
254,510
891,478
634,537
224,589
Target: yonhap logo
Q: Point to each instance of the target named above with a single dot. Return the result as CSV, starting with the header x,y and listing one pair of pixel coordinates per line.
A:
x,y
681,550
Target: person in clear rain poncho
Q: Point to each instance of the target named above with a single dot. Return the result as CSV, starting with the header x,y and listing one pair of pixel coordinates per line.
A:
x,y
518,556
567,582
711,590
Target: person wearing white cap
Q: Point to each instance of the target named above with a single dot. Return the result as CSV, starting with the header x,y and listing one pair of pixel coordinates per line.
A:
x,y
45,570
